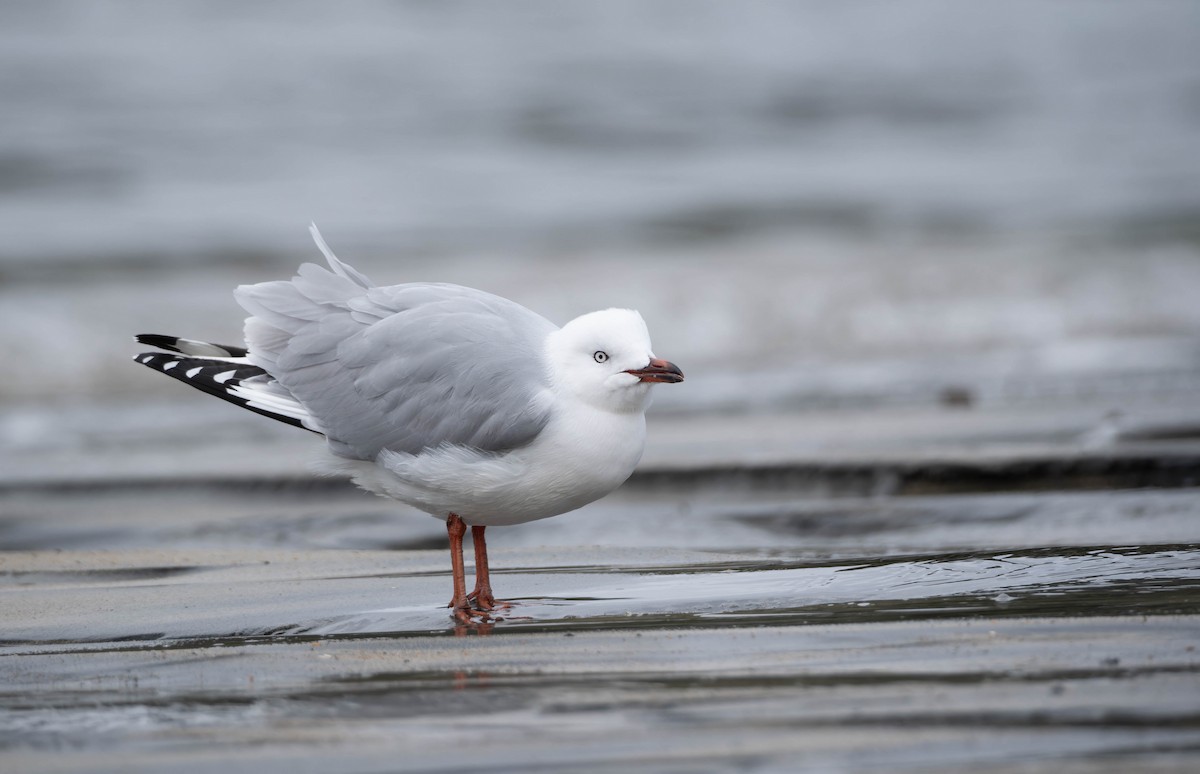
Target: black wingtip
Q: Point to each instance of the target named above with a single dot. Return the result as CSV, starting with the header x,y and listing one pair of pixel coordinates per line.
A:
x,y
156,340
190,346
201,373
154,359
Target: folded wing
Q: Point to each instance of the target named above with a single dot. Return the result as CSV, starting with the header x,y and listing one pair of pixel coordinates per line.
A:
x,y
403,368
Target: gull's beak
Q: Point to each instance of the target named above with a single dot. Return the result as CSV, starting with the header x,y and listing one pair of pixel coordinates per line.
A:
x,y
658,371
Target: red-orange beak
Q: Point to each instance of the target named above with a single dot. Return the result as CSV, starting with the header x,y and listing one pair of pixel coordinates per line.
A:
x,y
658,371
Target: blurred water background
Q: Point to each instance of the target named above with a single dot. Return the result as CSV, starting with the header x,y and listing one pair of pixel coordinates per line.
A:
x,y
852,203
932,270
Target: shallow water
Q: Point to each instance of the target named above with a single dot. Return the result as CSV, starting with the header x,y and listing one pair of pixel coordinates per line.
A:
x,y
1147,580
913,697
992,631
598,593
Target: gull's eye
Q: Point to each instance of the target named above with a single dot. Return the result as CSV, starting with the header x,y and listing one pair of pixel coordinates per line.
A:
x,y
600,356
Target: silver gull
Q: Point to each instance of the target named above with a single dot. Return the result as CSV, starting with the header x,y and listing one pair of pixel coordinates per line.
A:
x,y
461,403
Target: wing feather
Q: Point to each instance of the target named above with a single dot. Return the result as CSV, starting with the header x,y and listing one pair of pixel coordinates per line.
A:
x,y
402,368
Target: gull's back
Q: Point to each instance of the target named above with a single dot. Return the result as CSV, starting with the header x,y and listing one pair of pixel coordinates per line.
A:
x,y
402,368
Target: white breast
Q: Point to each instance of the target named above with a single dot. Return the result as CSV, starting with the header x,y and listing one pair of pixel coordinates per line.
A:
x,y
583,454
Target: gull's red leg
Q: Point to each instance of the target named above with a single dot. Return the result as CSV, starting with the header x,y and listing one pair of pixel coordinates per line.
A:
x,y
456,528
482,595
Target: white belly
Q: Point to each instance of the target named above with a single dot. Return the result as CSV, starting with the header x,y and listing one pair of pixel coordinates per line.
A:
x,y
582,455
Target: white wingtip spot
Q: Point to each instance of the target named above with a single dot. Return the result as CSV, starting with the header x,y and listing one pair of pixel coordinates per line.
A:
x,y
191,372
223,377
170,365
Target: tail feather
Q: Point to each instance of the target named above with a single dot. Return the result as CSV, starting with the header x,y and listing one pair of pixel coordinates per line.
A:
x,y
229,376
190,346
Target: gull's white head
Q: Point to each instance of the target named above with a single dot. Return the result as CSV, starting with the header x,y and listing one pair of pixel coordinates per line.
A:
x,y
604,359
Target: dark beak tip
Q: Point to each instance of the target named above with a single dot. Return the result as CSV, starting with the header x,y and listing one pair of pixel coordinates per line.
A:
x,y
659,371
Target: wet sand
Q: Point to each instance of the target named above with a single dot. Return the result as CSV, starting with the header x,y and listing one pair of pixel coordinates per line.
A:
x,y
1053,694
667,661
922,591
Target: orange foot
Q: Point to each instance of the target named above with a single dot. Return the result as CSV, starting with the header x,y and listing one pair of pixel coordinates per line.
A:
x,y
484,600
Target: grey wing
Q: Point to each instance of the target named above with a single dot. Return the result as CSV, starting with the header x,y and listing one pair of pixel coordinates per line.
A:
x,y
404,368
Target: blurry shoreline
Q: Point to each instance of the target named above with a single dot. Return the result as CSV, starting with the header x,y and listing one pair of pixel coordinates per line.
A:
x,y
821,323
